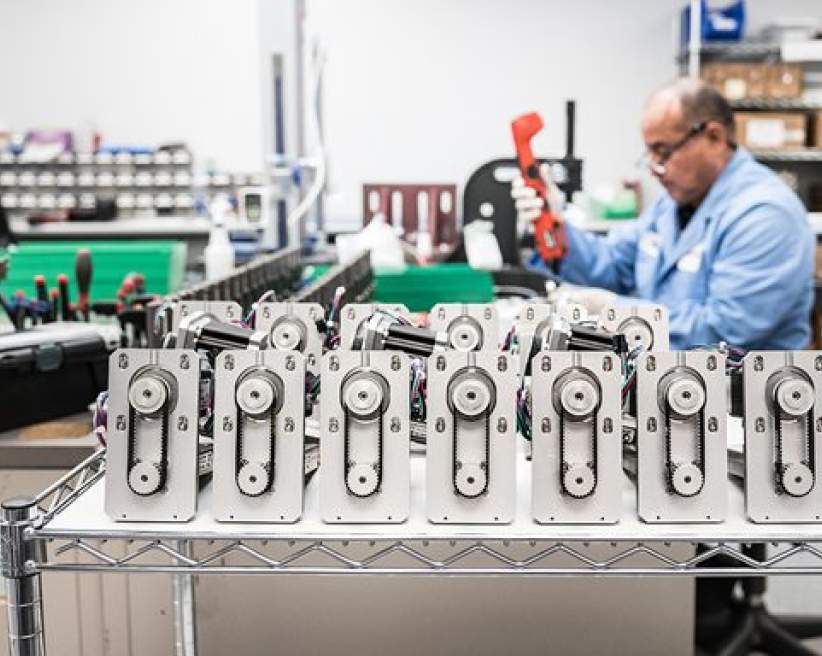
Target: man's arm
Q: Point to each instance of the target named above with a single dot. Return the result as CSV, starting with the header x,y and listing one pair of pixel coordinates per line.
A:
x,y
759,277
603,260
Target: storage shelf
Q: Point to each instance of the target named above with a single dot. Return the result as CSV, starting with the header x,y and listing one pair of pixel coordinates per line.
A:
x,y
806,155
776,104
734,50
71,521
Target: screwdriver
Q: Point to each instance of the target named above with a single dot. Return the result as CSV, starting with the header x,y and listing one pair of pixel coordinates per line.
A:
x,y
82,271
65,304
42,294
54,296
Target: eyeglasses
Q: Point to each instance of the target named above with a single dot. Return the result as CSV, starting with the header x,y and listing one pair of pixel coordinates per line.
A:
x,y
659,154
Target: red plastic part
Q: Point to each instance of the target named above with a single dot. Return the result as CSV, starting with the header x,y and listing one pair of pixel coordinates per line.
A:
x,y
549,232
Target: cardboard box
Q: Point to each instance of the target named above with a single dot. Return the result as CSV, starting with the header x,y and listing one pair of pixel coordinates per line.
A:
x,y
785,81
771,130
816,139
730,79
740,81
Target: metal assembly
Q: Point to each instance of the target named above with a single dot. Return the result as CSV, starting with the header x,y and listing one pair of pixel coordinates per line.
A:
x,y
682,461
364,444
535,321
384,331
644,326
257,469
365,397
293,327
577,440
781,395
471,445
153,406
354,316
200,331
469,327
471,398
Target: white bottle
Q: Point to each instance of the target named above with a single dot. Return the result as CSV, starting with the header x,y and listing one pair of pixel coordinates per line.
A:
x,y
219,254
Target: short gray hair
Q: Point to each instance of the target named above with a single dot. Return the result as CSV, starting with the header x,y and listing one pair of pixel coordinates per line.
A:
x,y
700,102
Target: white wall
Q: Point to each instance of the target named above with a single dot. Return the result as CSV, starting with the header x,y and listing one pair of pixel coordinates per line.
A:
x,y
142,72
425,90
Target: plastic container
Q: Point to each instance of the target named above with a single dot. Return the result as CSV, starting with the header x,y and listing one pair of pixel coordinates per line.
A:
x,y
419,288
161,262
721,21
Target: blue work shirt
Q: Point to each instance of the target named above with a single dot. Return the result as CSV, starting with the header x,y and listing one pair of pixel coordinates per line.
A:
x,y
741,271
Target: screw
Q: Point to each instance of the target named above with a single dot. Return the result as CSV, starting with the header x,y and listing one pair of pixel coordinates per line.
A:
x,y
395,363
607,363
502,363
333,425
184,361
333,363
266,313
289,425
351,313
529,314
396,425
817,363
545,427
487,314
502,425
122,361
652,425
182,424
311,359
607,425
121,422
650,363
546,363
289,363
440,363
611,314
713,424
759,363
759,425
228,425
440,425
441,313
711,364
657,315
229,362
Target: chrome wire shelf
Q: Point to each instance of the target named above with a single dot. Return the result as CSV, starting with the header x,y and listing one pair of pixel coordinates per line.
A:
x,y
396,549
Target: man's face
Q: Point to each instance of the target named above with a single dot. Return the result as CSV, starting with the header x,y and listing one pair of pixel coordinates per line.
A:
x,y
691,168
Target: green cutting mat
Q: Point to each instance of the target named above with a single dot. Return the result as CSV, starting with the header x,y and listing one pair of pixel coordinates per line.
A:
x,y
419,288
161,262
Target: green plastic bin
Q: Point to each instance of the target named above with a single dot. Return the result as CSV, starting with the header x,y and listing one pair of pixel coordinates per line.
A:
x,y
161,262
419,288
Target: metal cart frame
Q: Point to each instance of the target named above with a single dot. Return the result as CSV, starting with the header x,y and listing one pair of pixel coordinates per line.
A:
x,y
31,544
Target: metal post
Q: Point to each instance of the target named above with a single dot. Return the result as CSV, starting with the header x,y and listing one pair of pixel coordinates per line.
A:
x,y
185,624
18,558
695,41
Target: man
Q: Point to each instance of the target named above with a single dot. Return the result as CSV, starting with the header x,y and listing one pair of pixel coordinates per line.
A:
x,y
727,248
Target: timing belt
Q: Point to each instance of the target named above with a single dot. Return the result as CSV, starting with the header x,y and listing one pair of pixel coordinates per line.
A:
x,y
810,447
455,443
347,446
240,461
162,466
670,466
564,466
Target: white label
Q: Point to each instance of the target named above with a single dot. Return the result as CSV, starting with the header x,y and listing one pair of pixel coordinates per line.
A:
x,y
735,88
649,244
765,133
691,261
